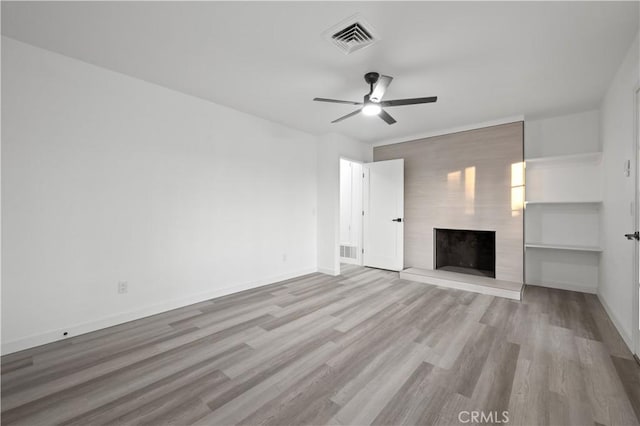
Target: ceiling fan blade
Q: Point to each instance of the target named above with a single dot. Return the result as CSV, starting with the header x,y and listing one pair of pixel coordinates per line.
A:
x,y
412,101
344,117
381,86
386,117
336,101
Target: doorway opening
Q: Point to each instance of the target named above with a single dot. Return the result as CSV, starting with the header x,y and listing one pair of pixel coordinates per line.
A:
x,y
350,212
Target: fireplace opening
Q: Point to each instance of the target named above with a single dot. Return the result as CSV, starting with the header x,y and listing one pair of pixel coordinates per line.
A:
x,y
465,251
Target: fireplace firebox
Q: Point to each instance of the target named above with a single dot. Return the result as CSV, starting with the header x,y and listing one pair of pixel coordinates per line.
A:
x,y
465,251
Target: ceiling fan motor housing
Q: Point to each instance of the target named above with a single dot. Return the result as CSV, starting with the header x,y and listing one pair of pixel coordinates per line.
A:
x,y
371,78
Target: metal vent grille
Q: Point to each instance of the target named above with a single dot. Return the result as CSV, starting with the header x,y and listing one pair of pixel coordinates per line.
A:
x,y
352,34
348,252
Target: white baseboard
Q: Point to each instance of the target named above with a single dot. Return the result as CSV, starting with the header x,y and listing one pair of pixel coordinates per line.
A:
x,y
616,323
120,318
328,271
566,286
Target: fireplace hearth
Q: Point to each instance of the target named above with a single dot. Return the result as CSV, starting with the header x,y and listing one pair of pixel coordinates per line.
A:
x,y
465,251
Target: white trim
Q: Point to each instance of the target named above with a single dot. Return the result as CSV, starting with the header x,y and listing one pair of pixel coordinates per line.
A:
x,y
616,322
77,329
328,271
450,130
351,160
635,309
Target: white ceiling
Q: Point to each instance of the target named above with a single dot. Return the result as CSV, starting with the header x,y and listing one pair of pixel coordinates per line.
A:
x,y
483,60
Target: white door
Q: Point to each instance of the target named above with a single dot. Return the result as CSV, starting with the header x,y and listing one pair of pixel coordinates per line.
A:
x,y
384,215
636,301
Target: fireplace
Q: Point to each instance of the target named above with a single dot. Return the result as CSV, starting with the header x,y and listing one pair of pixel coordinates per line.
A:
x,y
465,251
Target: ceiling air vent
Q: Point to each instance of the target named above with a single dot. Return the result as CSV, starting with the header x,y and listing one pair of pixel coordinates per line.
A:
x,y
352,34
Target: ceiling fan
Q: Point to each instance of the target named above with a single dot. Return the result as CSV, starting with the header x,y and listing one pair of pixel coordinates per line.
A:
x,y
373,103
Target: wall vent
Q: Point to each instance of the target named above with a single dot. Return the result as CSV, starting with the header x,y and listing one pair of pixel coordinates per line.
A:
x,y
354,33
349,252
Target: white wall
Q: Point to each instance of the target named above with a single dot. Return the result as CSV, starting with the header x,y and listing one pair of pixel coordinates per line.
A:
x,y
562,135
106,178
332,147
616,287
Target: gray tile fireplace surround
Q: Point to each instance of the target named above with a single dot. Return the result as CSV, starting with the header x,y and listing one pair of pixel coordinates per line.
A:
x,y
469,180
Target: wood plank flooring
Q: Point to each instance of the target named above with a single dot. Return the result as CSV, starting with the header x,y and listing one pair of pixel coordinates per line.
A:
x,y
362,348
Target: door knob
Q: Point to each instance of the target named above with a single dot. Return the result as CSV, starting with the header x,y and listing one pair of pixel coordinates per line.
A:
x,y
634,236
397,220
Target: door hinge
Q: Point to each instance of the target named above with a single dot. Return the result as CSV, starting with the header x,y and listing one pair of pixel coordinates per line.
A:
x,y
362,212
362,251
362,175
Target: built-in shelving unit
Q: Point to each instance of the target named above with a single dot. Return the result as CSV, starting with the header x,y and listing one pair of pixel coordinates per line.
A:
x,y
562,221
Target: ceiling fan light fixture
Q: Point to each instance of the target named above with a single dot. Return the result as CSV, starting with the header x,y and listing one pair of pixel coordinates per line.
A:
x,y
372,103
371,109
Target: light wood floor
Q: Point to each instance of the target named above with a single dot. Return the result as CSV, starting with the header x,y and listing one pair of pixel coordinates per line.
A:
x,y
361,348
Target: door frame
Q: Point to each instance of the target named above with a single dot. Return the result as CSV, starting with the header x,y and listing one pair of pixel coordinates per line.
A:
x,y
361,236
636,259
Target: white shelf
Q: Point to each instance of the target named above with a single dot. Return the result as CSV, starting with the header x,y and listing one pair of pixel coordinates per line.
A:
x,y
564,179
565,202
562,247
585,158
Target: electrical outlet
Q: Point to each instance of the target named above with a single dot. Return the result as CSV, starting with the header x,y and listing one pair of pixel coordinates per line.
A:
x,y
123,287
